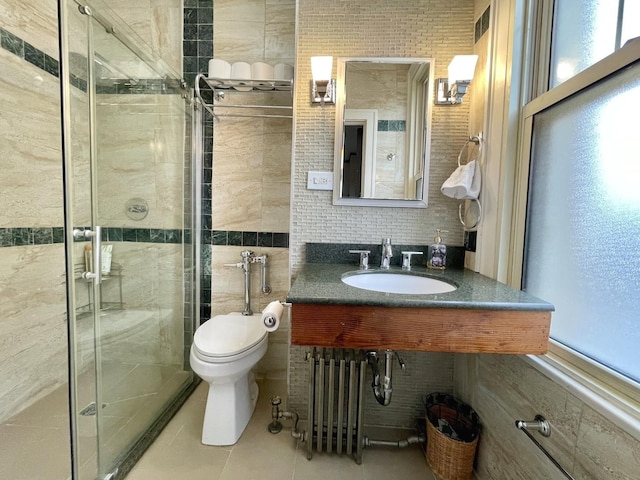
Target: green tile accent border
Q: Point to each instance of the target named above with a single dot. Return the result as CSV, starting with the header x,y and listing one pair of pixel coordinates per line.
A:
x,y
247,239
392,125
38,58
28,52
21,236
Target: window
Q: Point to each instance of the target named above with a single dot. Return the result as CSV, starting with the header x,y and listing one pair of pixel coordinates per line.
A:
x,y
585,32
582,240
582,246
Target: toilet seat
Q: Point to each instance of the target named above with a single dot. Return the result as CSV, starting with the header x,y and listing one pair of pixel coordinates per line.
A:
x,y
226,336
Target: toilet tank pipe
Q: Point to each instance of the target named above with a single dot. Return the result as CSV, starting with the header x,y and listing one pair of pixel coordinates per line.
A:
x,y
266,288
247,257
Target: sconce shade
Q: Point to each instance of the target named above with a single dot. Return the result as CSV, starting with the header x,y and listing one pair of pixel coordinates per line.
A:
x,y
323,87
449,91
321,68
461,68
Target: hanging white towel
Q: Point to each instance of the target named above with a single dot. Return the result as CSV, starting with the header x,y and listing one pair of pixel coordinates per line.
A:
x,y
464,182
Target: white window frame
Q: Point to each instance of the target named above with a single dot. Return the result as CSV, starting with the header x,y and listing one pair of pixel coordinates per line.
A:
x,y
502,234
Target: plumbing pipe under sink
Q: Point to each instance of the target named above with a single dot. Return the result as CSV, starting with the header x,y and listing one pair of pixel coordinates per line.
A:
x,y
382,391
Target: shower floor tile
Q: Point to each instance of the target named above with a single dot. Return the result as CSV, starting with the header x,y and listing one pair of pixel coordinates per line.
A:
x,y
34,444
259,455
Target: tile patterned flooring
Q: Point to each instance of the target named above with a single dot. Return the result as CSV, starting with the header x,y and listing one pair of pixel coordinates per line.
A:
x,y
35,445
178,453
41,433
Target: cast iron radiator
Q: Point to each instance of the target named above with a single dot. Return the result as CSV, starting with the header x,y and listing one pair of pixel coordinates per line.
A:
x,y
336,401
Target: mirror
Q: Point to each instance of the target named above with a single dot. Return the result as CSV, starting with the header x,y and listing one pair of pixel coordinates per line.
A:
x,y
383,129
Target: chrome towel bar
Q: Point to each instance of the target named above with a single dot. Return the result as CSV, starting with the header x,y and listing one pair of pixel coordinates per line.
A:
x,y
540,424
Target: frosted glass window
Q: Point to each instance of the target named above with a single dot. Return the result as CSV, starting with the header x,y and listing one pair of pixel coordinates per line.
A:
x,y
582,245
630,23
585,32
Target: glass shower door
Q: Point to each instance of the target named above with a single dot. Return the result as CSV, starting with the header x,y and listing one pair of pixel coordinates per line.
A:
x,y
126,203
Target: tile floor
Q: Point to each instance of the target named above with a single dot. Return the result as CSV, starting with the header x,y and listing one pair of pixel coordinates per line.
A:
x,y
178,454
134,393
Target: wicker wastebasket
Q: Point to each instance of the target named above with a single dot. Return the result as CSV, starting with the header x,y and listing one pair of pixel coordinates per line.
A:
x,y
453,428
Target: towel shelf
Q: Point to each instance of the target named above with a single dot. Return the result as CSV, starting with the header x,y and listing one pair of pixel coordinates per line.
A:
x,y
219,88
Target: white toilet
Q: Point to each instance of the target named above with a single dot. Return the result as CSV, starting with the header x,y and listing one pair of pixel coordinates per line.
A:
x,y
224,350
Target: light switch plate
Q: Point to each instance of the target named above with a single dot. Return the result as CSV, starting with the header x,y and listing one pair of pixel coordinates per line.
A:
x,y
320,180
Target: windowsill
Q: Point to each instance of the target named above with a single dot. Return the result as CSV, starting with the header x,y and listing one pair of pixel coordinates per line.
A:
x,y
615,406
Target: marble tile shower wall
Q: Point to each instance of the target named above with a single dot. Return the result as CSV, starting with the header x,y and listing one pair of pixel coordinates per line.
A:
x,y
32,280
247,163
32,289
436,29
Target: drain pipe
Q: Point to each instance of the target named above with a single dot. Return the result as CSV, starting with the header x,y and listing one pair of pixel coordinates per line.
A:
x,y
276,414
410,440
382,391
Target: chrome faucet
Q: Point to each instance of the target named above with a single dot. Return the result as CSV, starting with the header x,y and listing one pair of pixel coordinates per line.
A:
x,y
387,253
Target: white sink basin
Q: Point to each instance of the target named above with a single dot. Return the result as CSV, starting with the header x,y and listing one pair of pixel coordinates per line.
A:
x,y
406,284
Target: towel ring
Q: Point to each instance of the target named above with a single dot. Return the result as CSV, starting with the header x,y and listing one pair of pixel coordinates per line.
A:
x,y
469,227
473,139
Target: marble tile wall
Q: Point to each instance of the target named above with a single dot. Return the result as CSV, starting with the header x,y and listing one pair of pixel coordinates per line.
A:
x,y
32,283
251,167
31,106
32,288
436,29
34,22
33,327
154,22
504,388
227,296
140,152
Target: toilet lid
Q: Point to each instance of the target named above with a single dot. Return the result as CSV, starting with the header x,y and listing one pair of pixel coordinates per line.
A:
x,y
226,335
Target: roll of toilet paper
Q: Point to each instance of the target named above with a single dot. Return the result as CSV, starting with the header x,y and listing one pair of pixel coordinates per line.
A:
x,y
219,69
271,316
241,76
262,75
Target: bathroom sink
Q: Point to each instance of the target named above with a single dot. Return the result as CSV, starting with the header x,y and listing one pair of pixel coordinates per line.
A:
x,y
406,284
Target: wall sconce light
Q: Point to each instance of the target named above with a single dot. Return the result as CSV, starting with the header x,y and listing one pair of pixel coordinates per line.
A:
x,y
449,91
323,87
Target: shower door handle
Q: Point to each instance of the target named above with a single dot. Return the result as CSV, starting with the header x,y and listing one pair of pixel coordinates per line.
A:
x,y
96,240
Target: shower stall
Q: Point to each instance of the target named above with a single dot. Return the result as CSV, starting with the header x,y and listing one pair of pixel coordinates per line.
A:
x,y
130,256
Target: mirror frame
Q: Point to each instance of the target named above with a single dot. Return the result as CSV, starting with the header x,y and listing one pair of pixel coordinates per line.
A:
x,y
339,135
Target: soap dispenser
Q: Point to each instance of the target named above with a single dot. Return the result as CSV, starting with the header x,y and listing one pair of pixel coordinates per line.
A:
x,y
437,253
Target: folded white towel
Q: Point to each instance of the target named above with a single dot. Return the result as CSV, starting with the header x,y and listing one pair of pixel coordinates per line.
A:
x,y
464,182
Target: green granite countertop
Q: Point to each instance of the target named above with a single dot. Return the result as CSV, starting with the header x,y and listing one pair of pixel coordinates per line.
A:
x,y
321,283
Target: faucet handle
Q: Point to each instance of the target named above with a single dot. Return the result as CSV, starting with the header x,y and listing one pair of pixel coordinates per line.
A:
x,y
406,259
364,258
